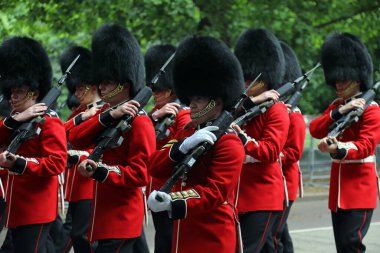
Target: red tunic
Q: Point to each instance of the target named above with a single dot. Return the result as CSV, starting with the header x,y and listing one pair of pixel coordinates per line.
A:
x,y
118,209
261,184
183,117
206,217
292,153
353,183
32,194
77,187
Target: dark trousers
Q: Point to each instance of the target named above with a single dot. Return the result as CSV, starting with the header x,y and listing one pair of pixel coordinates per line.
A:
x,y
2,213
30,238
286,241
164,232
255,228
274,243
62,240
350,227
116,246
81,216
141,246
7,246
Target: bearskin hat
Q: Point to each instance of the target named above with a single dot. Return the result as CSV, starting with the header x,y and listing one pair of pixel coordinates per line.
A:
x,y
259,51
345,58
155,57
117,57
23,61
204,66
292,66
81,73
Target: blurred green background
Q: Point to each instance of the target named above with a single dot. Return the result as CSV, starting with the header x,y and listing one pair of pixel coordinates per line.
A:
x,y
302,24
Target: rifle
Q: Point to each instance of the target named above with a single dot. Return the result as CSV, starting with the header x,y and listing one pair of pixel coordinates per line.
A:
x,y
223,122
353,116
111,136
296,97
162,71
27,130
284,90
161,127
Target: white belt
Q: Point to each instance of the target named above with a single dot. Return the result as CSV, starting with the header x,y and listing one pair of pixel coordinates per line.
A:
x,y
250,159
369,159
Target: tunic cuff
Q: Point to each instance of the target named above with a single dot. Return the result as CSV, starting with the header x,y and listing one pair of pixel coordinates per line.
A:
x,y
106,119
335,114
20,166
175,154
100,174
179,209
11,123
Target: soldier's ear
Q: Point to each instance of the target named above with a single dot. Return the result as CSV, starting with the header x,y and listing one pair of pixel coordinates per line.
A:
x,y
36,94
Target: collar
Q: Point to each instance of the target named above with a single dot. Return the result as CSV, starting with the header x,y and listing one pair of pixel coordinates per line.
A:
x,y
96,103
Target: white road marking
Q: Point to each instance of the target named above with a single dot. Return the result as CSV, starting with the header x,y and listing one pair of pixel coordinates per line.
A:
x,y
323,228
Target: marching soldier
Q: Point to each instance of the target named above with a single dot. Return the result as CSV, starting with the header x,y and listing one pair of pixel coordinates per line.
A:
x,y
166,108
261,188
208,78
118,211
348,68
78,189
291,154
32,197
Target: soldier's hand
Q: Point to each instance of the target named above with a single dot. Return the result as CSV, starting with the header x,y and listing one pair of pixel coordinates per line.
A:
x,y
82,168
235,127
169,108
202,135
267,95
325,147
33,111
131,108
90,112
7,160
289,107
159,206
356,103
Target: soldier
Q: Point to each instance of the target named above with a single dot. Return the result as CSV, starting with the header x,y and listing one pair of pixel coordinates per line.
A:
x,y
118,211
348,68
208,78
261,187
291,154
33,180
78,189
168,109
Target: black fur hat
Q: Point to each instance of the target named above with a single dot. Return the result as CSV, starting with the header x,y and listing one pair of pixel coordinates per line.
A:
x,y
292,66
155,57
259,51
117,57
23,61
81,73
345,58
204,66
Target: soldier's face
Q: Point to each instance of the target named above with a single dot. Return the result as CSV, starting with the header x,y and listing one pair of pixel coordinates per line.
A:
x,y
22,98
85,93
162,97
346,89
201,111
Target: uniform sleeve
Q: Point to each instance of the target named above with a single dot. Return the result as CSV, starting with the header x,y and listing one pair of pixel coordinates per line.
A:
x,y
181,120
74,119
293,148
319,127
52,156
84,135
6,127
140,146
223,167
367,138
267,149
